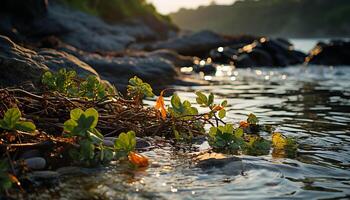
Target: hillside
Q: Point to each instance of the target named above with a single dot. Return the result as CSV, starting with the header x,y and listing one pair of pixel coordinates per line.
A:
x,y
287,18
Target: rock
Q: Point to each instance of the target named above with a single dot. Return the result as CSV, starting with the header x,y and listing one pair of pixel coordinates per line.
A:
x,y
110,138
208,68
263,52
118,70
261,57
223,55
63,171
43,175
29,9
19,65
108,143
35,163
30,154
195,44
336,52
213,163
142,145
36,19
177,59
244,60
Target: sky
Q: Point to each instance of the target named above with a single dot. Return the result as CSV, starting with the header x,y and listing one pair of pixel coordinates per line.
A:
x,y
168,6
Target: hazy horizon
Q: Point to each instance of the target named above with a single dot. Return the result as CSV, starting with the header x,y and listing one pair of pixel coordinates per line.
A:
x,y
166,6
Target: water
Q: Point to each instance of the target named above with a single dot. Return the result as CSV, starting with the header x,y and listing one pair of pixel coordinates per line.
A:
x,y
311,103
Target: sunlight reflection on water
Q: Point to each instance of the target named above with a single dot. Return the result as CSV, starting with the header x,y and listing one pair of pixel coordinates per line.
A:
x,y
311,103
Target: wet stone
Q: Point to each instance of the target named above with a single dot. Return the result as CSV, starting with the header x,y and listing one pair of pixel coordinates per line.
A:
x,y
71,171
35,163
142,144
108,143
30,154
220,164
43,175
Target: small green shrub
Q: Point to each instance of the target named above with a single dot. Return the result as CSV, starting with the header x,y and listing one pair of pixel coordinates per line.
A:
x,y
11,121
82,126
67,83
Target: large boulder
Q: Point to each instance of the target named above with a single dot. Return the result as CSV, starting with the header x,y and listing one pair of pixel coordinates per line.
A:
x,y
118,70
335,52
83,31
262,52
195,44
19,64
176,59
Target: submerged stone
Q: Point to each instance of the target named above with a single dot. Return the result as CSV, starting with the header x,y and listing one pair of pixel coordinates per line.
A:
x,y
213,163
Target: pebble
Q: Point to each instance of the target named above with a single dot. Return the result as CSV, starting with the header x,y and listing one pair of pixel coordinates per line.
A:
x,y
43,175
142,144
70,171
35,163
108,143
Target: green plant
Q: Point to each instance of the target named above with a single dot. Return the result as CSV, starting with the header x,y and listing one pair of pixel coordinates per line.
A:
x,y
226,138
5,180
11,121
82,126
252,119
138,89
92,88
257,146
284,146
183,110
67,83
208,101
62,81
125,143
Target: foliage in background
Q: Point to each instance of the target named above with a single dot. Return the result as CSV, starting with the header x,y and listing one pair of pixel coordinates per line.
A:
x,y
288,18
5,180
117,10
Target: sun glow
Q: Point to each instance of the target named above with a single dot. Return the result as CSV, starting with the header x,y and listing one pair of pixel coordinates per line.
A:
x,y
166,6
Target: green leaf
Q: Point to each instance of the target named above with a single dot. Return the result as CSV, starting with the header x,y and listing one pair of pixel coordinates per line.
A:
x,y
76,113
91,112
138,88
252,119
69,125
210,99
239,133
11,117
201,98
84,124
3,125
87,149
176,102
224,103
125,142
177,135
222,113
25,126
96,139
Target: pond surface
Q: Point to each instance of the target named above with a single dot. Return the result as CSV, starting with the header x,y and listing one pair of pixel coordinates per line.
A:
x,y
312,104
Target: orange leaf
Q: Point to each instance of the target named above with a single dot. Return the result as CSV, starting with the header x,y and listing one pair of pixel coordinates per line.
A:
x,y
218,108
138,159
14,179
243,124
160,106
